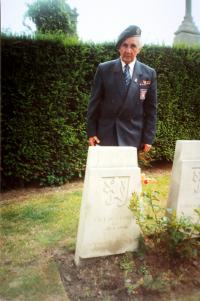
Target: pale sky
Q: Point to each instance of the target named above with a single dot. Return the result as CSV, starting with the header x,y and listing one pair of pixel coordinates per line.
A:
x,y
103,20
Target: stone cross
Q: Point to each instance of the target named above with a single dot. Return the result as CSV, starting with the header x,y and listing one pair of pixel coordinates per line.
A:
x,y
188,8
187,33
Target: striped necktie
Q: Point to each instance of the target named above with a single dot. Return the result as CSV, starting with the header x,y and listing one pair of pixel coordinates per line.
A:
x,y
127,76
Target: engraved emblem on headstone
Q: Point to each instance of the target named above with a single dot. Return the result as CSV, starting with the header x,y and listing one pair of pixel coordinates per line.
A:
x,y
115,190
196,180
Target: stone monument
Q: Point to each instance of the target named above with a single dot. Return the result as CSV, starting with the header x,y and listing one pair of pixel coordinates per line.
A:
x,y
184,193
187,32
106,224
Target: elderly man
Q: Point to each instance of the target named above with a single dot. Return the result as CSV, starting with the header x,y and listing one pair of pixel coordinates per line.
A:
x,y
122,107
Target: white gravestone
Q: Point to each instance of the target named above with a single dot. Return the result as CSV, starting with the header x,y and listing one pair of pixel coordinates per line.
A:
x,y
184,193
106,225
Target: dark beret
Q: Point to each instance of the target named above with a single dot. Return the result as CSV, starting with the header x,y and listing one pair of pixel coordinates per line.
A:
x,y
131,31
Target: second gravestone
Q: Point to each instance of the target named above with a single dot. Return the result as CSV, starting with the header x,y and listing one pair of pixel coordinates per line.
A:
x,y
106,225
184,193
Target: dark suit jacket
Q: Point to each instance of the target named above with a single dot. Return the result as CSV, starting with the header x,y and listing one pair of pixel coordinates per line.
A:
x,y
118,116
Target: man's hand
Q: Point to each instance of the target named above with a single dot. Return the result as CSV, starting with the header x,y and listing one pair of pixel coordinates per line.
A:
x,y
146,148
93,141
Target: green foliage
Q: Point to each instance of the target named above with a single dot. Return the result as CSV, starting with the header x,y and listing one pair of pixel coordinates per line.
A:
x,y
52,16
155,284
127,264
46,83
151,284
178,100
162,230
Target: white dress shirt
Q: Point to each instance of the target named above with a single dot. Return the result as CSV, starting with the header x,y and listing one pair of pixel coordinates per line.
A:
x,y
131,67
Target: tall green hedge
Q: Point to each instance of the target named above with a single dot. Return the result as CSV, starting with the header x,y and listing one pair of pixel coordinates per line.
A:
x,y
45,91
178,70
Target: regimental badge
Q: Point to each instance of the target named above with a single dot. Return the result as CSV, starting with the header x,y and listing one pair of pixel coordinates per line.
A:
x,y
138,31
143,93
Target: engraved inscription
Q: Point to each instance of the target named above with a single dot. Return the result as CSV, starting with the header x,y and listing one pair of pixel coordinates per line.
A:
x,y
114,223
196,180
115,190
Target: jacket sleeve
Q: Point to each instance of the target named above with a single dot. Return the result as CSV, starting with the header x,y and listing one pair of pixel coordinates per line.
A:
x,y
150,112
94,103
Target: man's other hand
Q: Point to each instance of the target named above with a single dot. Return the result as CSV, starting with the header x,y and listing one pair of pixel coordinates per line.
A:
x,y
146,148
93,141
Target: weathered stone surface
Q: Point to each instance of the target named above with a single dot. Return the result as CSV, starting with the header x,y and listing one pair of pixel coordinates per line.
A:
x,y
184,193
106,225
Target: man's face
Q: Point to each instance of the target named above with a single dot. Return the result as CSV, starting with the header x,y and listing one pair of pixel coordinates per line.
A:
x,y
129,49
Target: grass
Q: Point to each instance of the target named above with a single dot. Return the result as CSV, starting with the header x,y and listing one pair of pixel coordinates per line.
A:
x,y
161,185
32,230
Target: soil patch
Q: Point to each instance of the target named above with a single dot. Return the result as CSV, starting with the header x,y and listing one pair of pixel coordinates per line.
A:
x,y
129,277
22,194
159,167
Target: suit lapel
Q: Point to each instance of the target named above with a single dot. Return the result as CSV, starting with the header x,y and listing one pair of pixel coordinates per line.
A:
x,y
118,76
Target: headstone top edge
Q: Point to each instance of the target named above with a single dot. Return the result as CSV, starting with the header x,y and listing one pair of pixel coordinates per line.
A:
x,y
113,156
187,141
113,147
187,150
